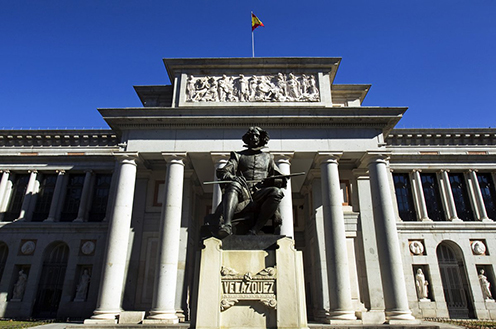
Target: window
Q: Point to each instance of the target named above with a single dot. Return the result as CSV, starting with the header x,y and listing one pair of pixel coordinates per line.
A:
x,y
17,197
100,198
404,197
460,195
44,199
488,191
72,198
432,197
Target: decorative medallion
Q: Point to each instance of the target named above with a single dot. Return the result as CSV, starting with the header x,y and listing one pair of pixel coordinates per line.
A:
x,y
417,247
88,248
28,247
478,247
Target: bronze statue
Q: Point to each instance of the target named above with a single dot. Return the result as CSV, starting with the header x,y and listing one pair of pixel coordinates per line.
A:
x,y
252,188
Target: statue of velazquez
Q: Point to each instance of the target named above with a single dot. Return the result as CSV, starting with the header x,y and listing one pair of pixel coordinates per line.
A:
x,y
252,187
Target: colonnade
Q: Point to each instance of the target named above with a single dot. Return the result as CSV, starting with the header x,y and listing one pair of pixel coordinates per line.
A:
x,y
31,193
443,179
338,276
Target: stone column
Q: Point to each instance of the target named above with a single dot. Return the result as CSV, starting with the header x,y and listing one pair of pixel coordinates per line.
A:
x,y
476,194
448,196
85,198
220,160
283,161
163,307
341,307
5,190
114,268
374,296
393,279
31,190
57,194
418,194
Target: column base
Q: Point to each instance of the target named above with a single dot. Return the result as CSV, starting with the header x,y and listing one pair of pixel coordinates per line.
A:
x,y
49,219
401,317
162,317
102,317
80,220
342,316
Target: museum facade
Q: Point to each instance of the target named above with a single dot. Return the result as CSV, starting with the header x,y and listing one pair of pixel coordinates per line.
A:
x,y
393,224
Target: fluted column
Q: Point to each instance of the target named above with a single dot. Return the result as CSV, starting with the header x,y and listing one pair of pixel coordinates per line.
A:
x,y
29,198
5,190
393,279
114,268
341,307
448,196
475,190
85,197
419,196
220,160
57,194
283,161
163,307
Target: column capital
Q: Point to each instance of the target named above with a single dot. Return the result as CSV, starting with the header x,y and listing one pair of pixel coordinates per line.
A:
x,y
416,170
60,172
375,157
34,171
444,170
473,170
175,157
332,157
283,156
6,171
127,157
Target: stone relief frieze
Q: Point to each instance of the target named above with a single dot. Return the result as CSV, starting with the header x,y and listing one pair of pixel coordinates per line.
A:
x,y
257,88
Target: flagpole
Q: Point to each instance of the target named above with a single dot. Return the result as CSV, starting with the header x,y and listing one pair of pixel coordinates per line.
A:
x,y
252,44
252,37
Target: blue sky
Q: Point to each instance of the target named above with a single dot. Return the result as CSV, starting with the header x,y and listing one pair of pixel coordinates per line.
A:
x,y
60,60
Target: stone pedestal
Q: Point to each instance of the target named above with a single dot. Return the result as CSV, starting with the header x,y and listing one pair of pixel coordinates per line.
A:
x,y
250,282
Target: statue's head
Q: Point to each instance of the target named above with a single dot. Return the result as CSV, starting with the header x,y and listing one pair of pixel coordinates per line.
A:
x,y
256,137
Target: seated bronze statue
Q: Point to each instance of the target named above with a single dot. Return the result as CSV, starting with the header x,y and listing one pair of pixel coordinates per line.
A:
x,y
252,188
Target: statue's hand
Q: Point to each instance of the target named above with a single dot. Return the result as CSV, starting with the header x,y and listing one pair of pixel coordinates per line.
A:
x,y
241,180
280,182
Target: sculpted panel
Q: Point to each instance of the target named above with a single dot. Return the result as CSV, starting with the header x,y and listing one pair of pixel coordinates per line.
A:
x,y
257,88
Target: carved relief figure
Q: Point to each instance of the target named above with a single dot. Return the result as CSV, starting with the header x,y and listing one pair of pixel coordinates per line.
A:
x,y
82,287
20,286
212,94
253,83
190,89
485,285
293,86
225,89
421,284
247,187
243,92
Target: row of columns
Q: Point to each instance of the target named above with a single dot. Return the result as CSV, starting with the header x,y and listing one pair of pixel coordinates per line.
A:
x,y
33,188
447,196
341,306
385,241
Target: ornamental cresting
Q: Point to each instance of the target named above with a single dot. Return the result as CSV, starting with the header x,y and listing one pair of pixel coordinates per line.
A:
x,y
263,88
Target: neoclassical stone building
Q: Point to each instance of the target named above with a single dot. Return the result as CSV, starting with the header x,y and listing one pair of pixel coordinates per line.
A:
x,y
394,224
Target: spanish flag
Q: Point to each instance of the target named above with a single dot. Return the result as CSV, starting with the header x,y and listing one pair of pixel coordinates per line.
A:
x,y
255,22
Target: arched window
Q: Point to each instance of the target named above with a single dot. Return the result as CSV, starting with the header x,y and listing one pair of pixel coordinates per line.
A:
x,y
51,280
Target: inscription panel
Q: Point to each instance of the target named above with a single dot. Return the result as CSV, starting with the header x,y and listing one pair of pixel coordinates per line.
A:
x,y
237,287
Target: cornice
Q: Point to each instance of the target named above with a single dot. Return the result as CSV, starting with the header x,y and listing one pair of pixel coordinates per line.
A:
x,y
441,137
58,138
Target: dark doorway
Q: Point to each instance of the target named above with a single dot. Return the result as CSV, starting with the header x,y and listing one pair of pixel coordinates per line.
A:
x,y
455,285
51,281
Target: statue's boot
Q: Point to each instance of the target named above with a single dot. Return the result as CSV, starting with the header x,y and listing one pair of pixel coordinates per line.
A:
x,y
267,210
230,203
